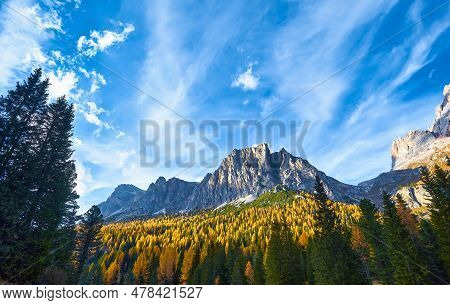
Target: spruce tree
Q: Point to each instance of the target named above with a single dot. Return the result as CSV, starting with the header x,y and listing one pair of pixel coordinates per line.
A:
x,y
258,268
407,268
437,186
429,252
331,258
88,238
284,260
379,263
37,181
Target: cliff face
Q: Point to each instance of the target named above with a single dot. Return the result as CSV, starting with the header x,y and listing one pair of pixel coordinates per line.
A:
x,y
425,147
252,171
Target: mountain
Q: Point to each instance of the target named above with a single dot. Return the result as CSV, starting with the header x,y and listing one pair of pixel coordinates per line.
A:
x,y
249,172
162,197
425,147
120,199
241,177
253,171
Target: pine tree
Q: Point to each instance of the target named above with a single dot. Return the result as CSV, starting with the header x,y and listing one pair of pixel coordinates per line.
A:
x,y
379,263
237,275
88,238
37,181
331,258
429,252
402,251
437,186
284,260
22,112
258,268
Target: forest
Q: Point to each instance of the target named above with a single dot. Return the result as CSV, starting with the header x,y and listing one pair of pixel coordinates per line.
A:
x,y
283,237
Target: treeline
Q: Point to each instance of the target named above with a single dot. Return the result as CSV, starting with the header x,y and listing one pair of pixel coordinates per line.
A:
x,y
311,240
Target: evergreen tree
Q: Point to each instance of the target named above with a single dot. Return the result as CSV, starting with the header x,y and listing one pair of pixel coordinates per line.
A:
x,y
402,251
379,263
437,186
237,275
284,260
88,239
429,252
331,258
258,268
22,113
37,181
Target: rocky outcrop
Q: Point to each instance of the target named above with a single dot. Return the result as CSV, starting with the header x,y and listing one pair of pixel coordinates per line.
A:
x,y
423,148
253,171
162,197
121,199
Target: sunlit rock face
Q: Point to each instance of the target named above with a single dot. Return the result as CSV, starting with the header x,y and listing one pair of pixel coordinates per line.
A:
x,y
425,147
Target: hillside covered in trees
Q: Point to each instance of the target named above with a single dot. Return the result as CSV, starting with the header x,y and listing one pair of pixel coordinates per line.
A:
x,y
282,238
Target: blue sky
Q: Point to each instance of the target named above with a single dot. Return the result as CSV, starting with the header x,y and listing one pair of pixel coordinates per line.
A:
x,y
361,72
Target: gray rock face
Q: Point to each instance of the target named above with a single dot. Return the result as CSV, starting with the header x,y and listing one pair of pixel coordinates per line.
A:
x,y
419,147
252,171
441,126
120,199
389,182
162,197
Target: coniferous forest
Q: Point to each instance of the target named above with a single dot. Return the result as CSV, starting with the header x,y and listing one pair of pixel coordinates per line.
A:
x,y
283,237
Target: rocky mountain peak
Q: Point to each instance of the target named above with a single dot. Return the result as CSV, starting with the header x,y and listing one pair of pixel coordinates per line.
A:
x,y
420,147
441,126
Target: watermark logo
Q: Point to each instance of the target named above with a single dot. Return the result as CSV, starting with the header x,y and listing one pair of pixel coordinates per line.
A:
x,y
184,143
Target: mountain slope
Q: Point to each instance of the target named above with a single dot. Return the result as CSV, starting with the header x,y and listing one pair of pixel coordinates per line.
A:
x,y
249,172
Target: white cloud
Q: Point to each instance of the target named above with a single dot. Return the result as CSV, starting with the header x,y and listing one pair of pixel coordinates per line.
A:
x,y
246,102
96,78
91,112
61,83
246,80
84,178
100,41
77,141
269,105
49,20
97,81
20,40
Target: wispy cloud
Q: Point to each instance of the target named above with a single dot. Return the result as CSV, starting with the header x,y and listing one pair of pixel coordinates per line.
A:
x,y
99,41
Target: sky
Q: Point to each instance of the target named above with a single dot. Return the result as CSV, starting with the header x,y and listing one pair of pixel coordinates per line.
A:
x,y
353,75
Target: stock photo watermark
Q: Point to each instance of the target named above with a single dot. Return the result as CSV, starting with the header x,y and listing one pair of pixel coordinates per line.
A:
x,y
183,143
